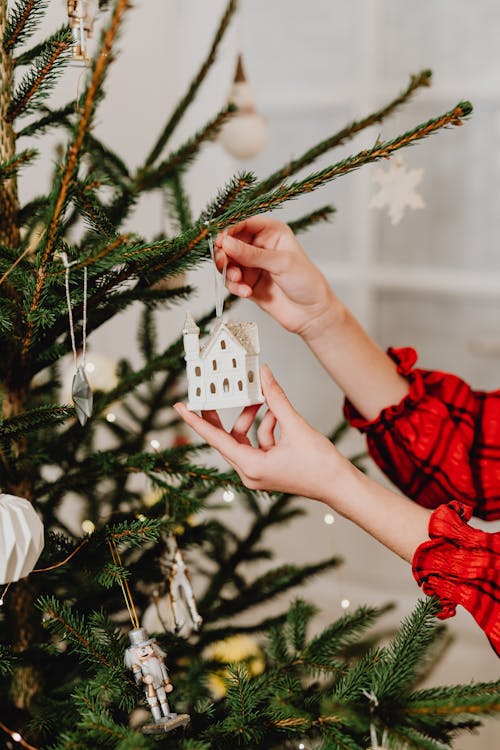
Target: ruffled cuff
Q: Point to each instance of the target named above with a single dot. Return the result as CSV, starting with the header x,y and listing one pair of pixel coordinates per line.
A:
x,y
405,359
461,565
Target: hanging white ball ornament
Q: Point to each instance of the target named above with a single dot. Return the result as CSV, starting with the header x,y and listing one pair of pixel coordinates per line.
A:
x,y
245,134
21,538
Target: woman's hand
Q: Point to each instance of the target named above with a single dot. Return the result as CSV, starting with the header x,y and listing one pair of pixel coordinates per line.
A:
x,y
266,262
304,462
301,461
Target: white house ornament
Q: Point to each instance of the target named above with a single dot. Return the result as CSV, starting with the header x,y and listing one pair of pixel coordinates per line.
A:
x,y
224,372
146,660
21,538
244,135
397,189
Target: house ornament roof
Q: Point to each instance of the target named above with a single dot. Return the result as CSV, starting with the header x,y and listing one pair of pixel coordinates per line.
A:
x,y
189,325
245,333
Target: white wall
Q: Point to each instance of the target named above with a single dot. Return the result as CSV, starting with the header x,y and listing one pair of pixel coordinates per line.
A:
x,y
314,66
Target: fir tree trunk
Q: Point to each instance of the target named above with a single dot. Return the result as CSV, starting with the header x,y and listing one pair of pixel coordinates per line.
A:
x,y
22,617
9,231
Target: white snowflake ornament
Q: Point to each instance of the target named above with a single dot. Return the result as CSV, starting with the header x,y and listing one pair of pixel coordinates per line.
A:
x,y
224,372
397,189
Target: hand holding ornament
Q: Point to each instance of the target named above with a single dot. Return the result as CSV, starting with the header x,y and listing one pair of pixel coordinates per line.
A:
x,y
302,461
266,262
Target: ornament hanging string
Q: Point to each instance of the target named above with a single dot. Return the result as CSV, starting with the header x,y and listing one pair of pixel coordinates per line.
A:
x,y
127,595
5,592
219,278
78,109
67,266
373,730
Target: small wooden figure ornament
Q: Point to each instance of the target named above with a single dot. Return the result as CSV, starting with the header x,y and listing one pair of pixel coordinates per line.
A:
x,y
180,589
146,660
81,15
224,371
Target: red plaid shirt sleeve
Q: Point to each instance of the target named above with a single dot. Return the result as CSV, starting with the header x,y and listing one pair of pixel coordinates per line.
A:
x,y
442,441
461,565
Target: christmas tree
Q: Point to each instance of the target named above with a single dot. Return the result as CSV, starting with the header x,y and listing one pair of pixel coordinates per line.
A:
x,y
64,627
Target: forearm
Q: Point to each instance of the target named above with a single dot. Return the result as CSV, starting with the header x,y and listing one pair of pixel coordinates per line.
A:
x,y
394,520
361,369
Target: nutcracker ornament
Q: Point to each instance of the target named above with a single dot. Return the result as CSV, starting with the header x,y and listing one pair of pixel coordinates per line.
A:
x,y
81,15
146,660
180,589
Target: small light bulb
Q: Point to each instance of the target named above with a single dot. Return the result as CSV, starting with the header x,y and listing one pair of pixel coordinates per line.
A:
x,y
87,526
90,367
110,417
228,496
16,736
155,444
301,746
345,603
329,519
140,517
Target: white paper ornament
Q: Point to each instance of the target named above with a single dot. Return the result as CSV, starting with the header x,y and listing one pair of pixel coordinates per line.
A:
x,y
224,372
21,538
245,134
397,189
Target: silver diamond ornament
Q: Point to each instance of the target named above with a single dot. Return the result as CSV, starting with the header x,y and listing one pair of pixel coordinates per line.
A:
x,y
82,395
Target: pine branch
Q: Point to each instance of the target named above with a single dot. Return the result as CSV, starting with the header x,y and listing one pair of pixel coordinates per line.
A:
x,y
39,81
384,150
398,667
306,222
416,81
234,190
51,118
23,22
142,260
324,649
180,160
7,660
180,209
266,587
72,160
11,167
64,620
193,87
90,208
33,420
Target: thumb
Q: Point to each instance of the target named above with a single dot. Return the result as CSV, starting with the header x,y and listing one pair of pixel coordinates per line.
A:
x,y
252,256
276,397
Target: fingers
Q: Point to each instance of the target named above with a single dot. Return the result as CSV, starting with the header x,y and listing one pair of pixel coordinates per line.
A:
x,y
212,417
244,422
276,398
253,225
251,256
265,432
235,281
215,436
